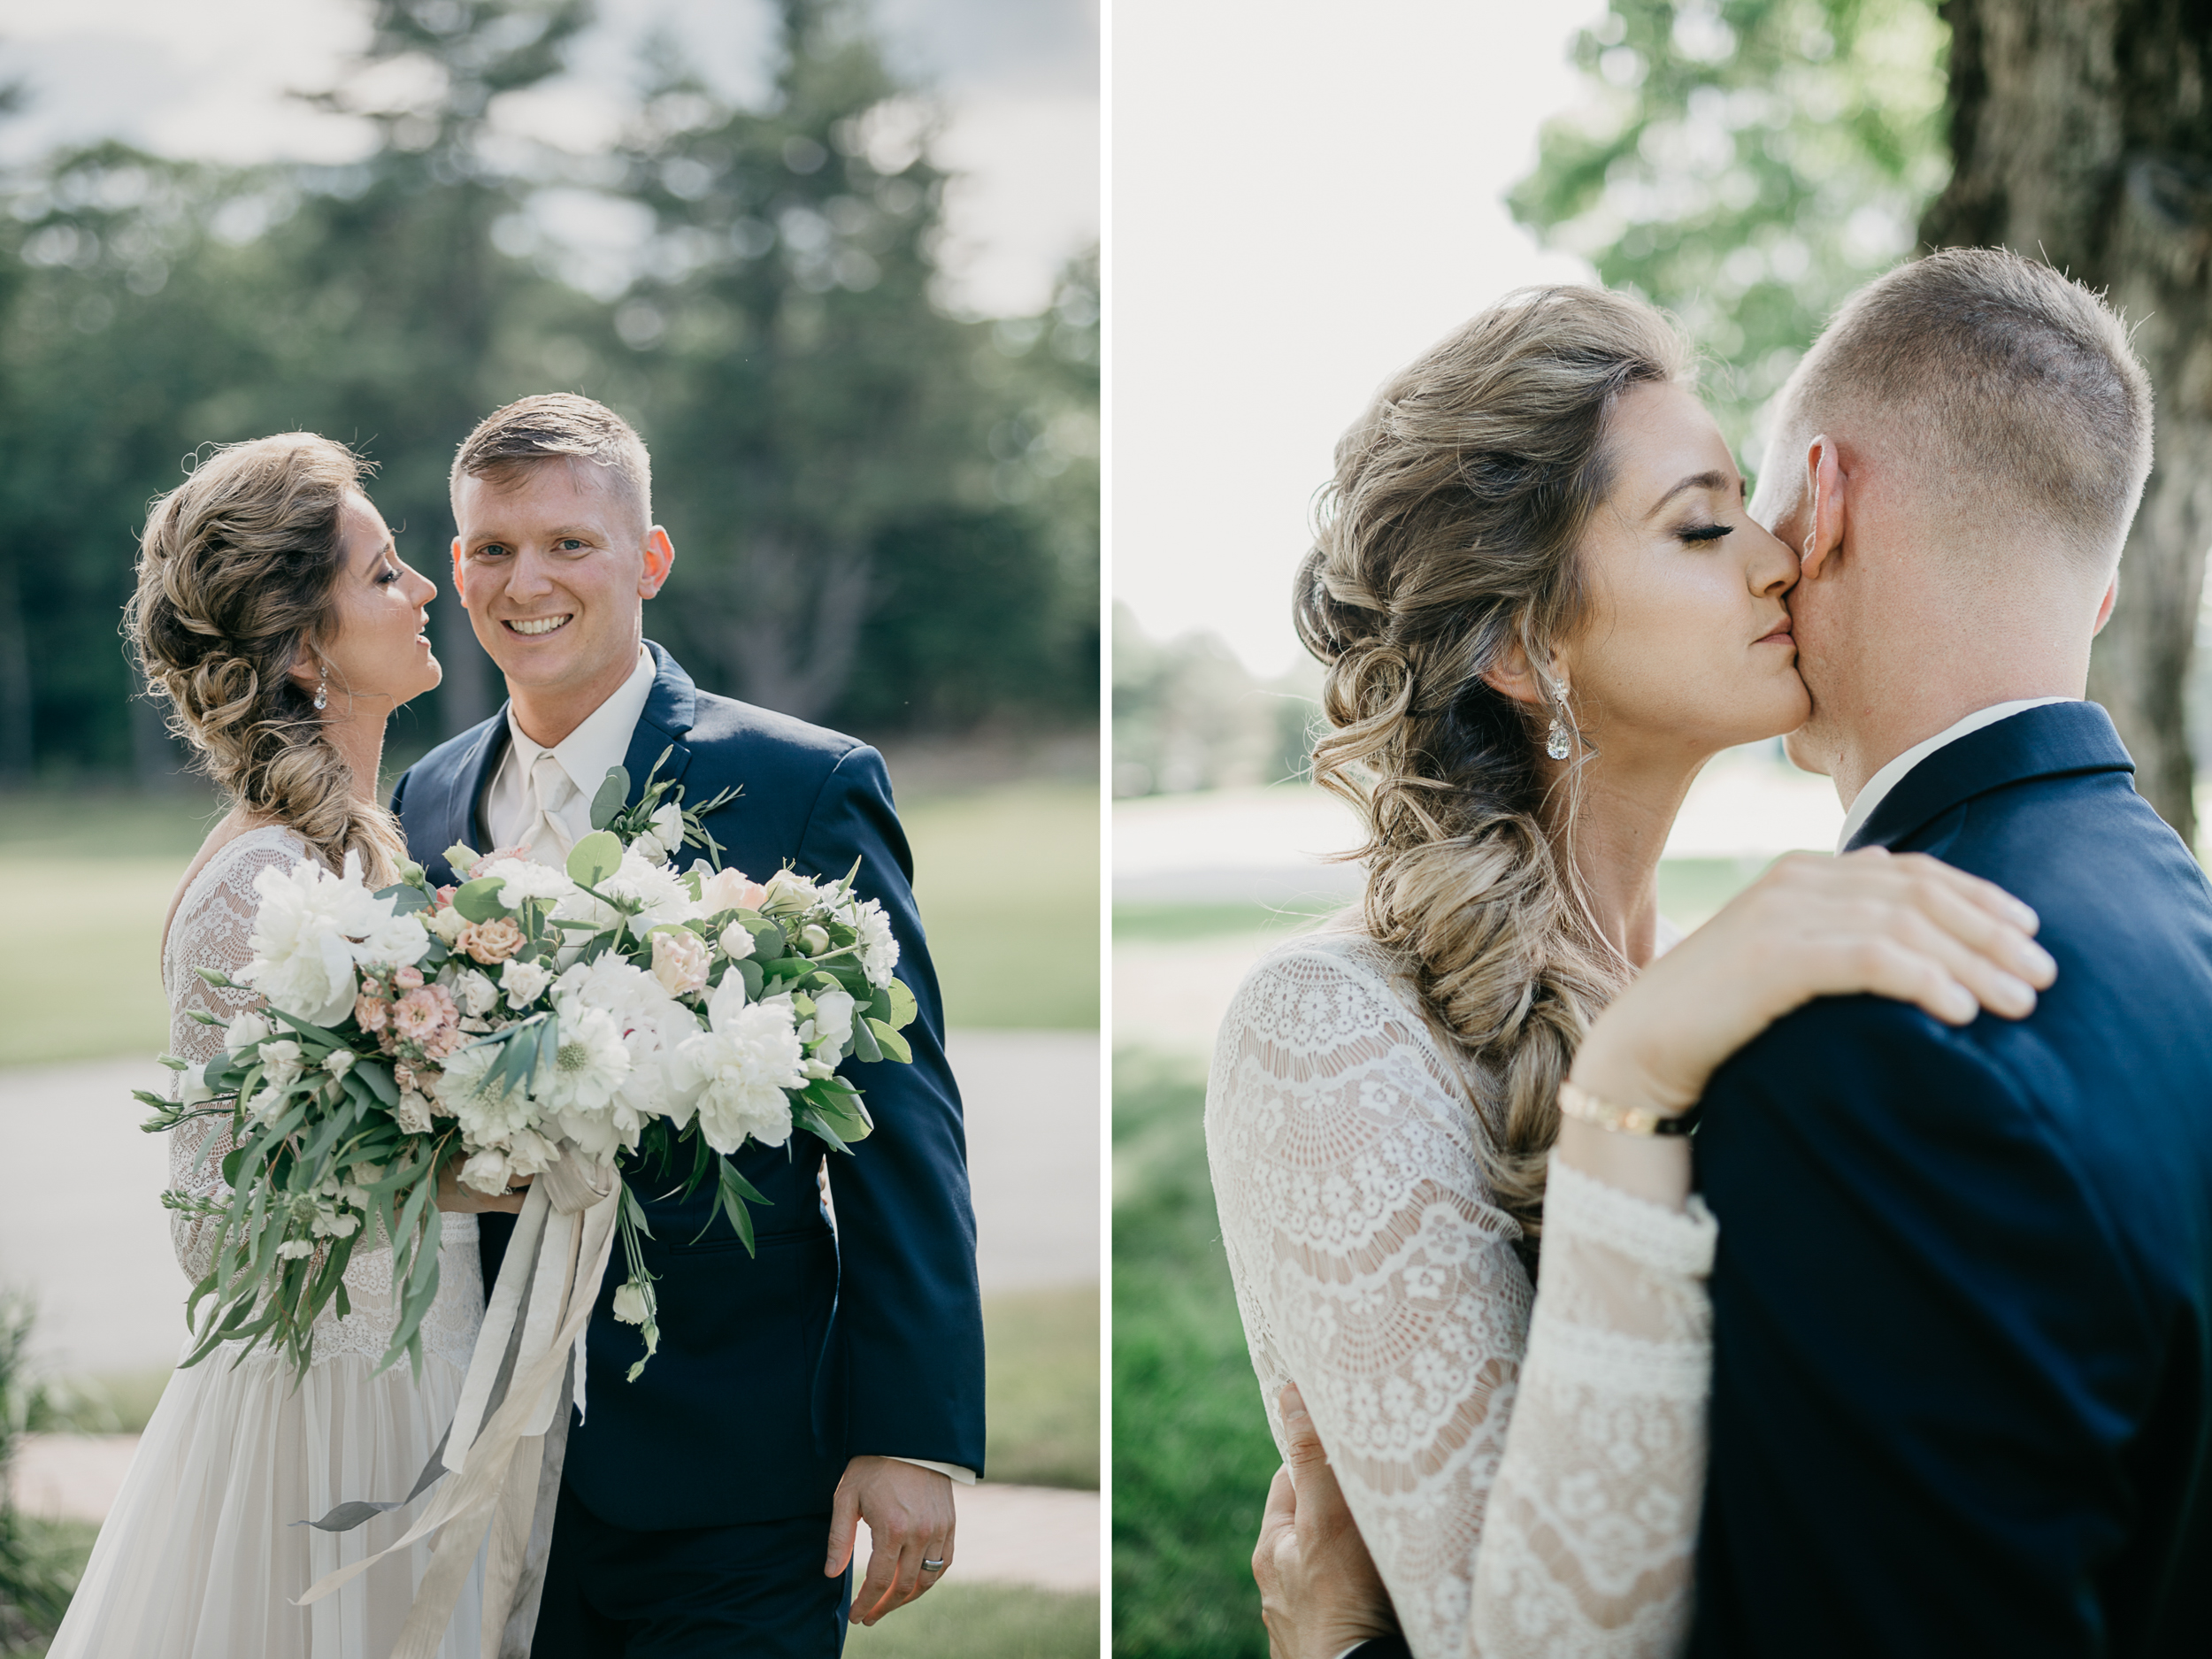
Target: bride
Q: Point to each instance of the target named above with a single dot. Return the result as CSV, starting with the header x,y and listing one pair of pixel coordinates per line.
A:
x,y
274,615
1542,607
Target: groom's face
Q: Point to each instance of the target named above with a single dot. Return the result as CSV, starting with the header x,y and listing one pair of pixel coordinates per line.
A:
x,y
554,564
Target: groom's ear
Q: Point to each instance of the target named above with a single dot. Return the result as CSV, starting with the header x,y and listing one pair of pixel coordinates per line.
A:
x,y
460,594
2104,606
660,559
1827,487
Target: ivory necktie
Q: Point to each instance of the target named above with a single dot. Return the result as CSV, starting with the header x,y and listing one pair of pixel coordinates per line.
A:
x,y
546,836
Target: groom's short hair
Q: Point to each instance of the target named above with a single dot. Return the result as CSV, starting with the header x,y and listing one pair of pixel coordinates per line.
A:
x,y
509,443
1995,380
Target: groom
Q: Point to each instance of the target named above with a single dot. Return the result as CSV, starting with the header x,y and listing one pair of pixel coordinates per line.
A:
x,y
1962,1302
831,1376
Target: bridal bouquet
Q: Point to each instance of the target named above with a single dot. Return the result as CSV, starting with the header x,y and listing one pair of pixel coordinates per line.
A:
x,y
528,1022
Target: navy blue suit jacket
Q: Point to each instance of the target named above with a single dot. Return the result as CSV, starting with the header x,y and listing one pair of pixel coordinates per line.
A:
x,y
1962,1374
774,1369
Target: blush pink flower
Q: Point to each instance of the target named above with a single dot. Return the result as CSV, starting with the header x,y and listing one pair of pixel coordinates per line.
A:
x,y
408,979
490,941
445,896
731,890
423,1014
373,1012
680,961
494,857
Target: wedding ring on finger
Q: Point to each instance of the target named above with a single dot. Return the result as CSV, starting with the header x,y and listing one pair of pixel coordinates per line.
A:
x,y
932,1566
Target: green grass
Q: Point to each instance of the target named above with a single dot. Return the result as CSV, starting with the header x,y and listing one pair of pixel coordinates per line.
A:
x,y
1041,1398
1691,889
1008,880
51,1554
1192,1453
983,1621
1175,924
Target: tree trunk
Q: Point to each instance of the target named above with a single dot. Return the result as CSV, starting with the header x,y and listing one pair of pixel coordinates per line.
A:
x,y
2081,131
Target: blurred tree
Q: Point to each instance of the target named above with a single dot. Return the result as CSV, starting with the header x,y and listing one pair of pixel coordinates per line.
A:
x,y
858,478
1745,164
2082,131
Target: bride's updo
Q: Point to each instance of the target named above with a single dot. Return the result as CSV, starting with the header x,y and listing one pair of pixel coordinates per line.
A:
x,y
1448,532
236,571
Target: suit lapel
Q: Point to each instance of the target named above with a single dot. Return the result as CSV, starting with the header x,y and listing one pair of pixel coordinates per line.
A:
x,y
464,796
2053,740
669,713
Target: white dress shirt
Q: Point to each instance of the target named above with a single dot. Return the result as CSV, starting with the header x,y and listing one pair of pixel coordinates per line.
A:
x,y
1890,776
586,754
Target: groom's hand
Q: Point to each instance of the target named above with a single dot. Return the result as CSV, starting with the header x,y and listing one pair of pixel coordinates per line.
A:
x,y
909,1512
1319,1592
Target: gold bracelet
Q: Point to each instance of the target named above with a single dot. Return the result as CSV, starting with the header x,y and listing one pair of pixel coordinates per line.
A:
x,y
1578,1102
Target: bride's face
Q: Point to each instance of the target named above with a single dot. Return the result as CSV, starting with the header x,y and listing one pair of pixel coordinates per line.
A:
x,y
1686,649
377,650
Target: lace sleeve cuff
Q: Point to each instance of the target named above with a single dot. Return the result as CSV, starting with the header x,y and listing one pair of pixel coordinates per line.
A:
x,y
1664,1241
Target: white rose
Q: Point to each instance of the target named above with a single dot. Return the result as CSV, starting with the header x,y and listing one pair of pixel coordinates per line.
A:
x,y
789,892
338,1062
475,993
522,982
448,923
486,1172
248,1029
737,941
281,1063
832,1024
629,1303
412,1113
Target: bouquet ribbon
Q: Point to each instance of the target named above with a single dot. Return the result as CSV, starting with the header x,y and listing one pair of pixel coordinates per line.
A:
x,y
509,1431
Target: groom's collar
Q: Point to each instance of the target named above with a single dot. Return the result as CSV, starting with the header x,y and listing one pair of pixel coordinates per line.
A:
x,y
2049,740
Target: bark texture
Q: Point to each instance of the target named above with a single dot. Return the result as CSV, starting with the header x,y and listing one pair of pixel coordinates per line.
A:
x,y
2081,133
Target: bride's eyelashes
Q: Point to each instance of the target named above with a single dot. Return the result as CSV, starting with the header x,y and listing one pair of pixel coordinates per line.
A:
x,y
1704,532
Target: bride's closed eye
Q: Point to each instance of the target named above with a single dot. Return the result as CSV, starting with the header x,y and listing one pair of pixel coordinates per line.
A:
x,y
1704,532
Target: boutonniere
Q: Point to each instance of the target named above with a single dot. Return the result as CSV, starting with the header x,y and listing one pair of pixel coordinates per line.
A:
x,y
654,828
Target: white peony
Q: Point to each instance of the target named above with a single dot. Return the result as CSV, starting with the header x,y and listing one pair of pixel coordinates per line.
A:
x,y
313,929
680,960
398,941
248,1029
789,894
737,941
652,1022
524,879
522,982
736,1072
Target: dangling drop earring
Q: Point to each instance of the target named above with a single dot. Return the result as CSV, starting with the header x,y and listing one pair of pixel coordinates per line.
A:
x,y
322,691
1557,743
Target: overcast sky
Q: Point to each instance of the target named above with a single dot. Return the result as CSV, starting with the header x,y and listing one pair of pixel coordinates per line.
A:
x,y
1305,195
208,78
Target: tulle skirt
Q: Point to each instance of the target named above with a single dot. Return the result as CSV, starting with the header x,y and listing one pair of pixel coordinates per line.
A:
x,y
200,1557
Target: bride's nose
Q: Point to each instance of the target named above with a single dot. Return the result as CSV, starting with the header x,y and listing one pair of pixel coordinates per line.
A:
x,y
1770,568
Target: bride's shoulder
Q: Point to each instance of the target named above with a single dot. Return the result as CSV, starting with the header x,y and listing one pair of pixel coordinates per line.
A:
x,y
1327,980
228,864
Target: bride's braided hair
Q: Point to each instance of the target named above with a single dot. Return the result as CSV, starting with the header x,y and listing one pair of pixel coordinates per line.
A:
x,y
1449,531
236,569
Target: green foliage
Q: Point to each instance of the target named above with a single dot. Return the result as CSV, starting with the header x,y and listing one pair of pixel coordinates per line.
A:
x,y
38,1563
1191,1455
982,1621
850,474
1746,163
1187,715
1042,1388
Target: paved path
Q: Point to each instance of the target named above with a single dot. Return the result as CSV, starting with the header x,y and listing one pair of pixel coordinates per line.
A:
x,y
1033,1535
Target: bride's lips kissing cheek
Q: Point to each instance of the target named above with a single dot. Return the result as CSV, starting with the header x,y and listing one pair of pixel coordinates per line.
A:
x,y
1687,646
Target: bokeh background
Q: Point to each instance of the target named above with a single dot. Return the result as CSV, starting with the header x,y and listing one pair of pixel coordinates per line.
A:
x,y
1305,196
838,262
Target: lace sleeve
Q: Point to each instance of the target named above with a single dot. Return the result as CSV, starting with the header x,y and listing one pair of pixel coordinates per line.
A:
x,y
211,931
1372,1268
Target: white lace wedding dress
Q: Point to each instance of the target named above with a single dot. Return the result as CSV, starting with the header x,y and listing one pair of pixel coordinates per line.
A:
x,y
1527,1479
200,1557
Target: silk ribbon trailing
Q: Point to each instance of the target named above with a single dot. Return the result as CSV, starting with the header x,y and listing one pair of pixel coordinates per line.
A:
x,y
510,1431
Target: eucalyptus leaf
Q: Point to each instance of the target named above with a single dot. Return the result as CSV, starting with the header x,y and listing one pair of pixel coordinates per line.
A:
x,y
478,901
611,796
596,858
891,1043
902,1009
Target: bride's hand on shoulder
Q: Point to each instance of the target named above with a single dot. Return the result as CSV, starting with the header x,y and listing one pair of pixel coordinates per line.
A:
x,y
1904,925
